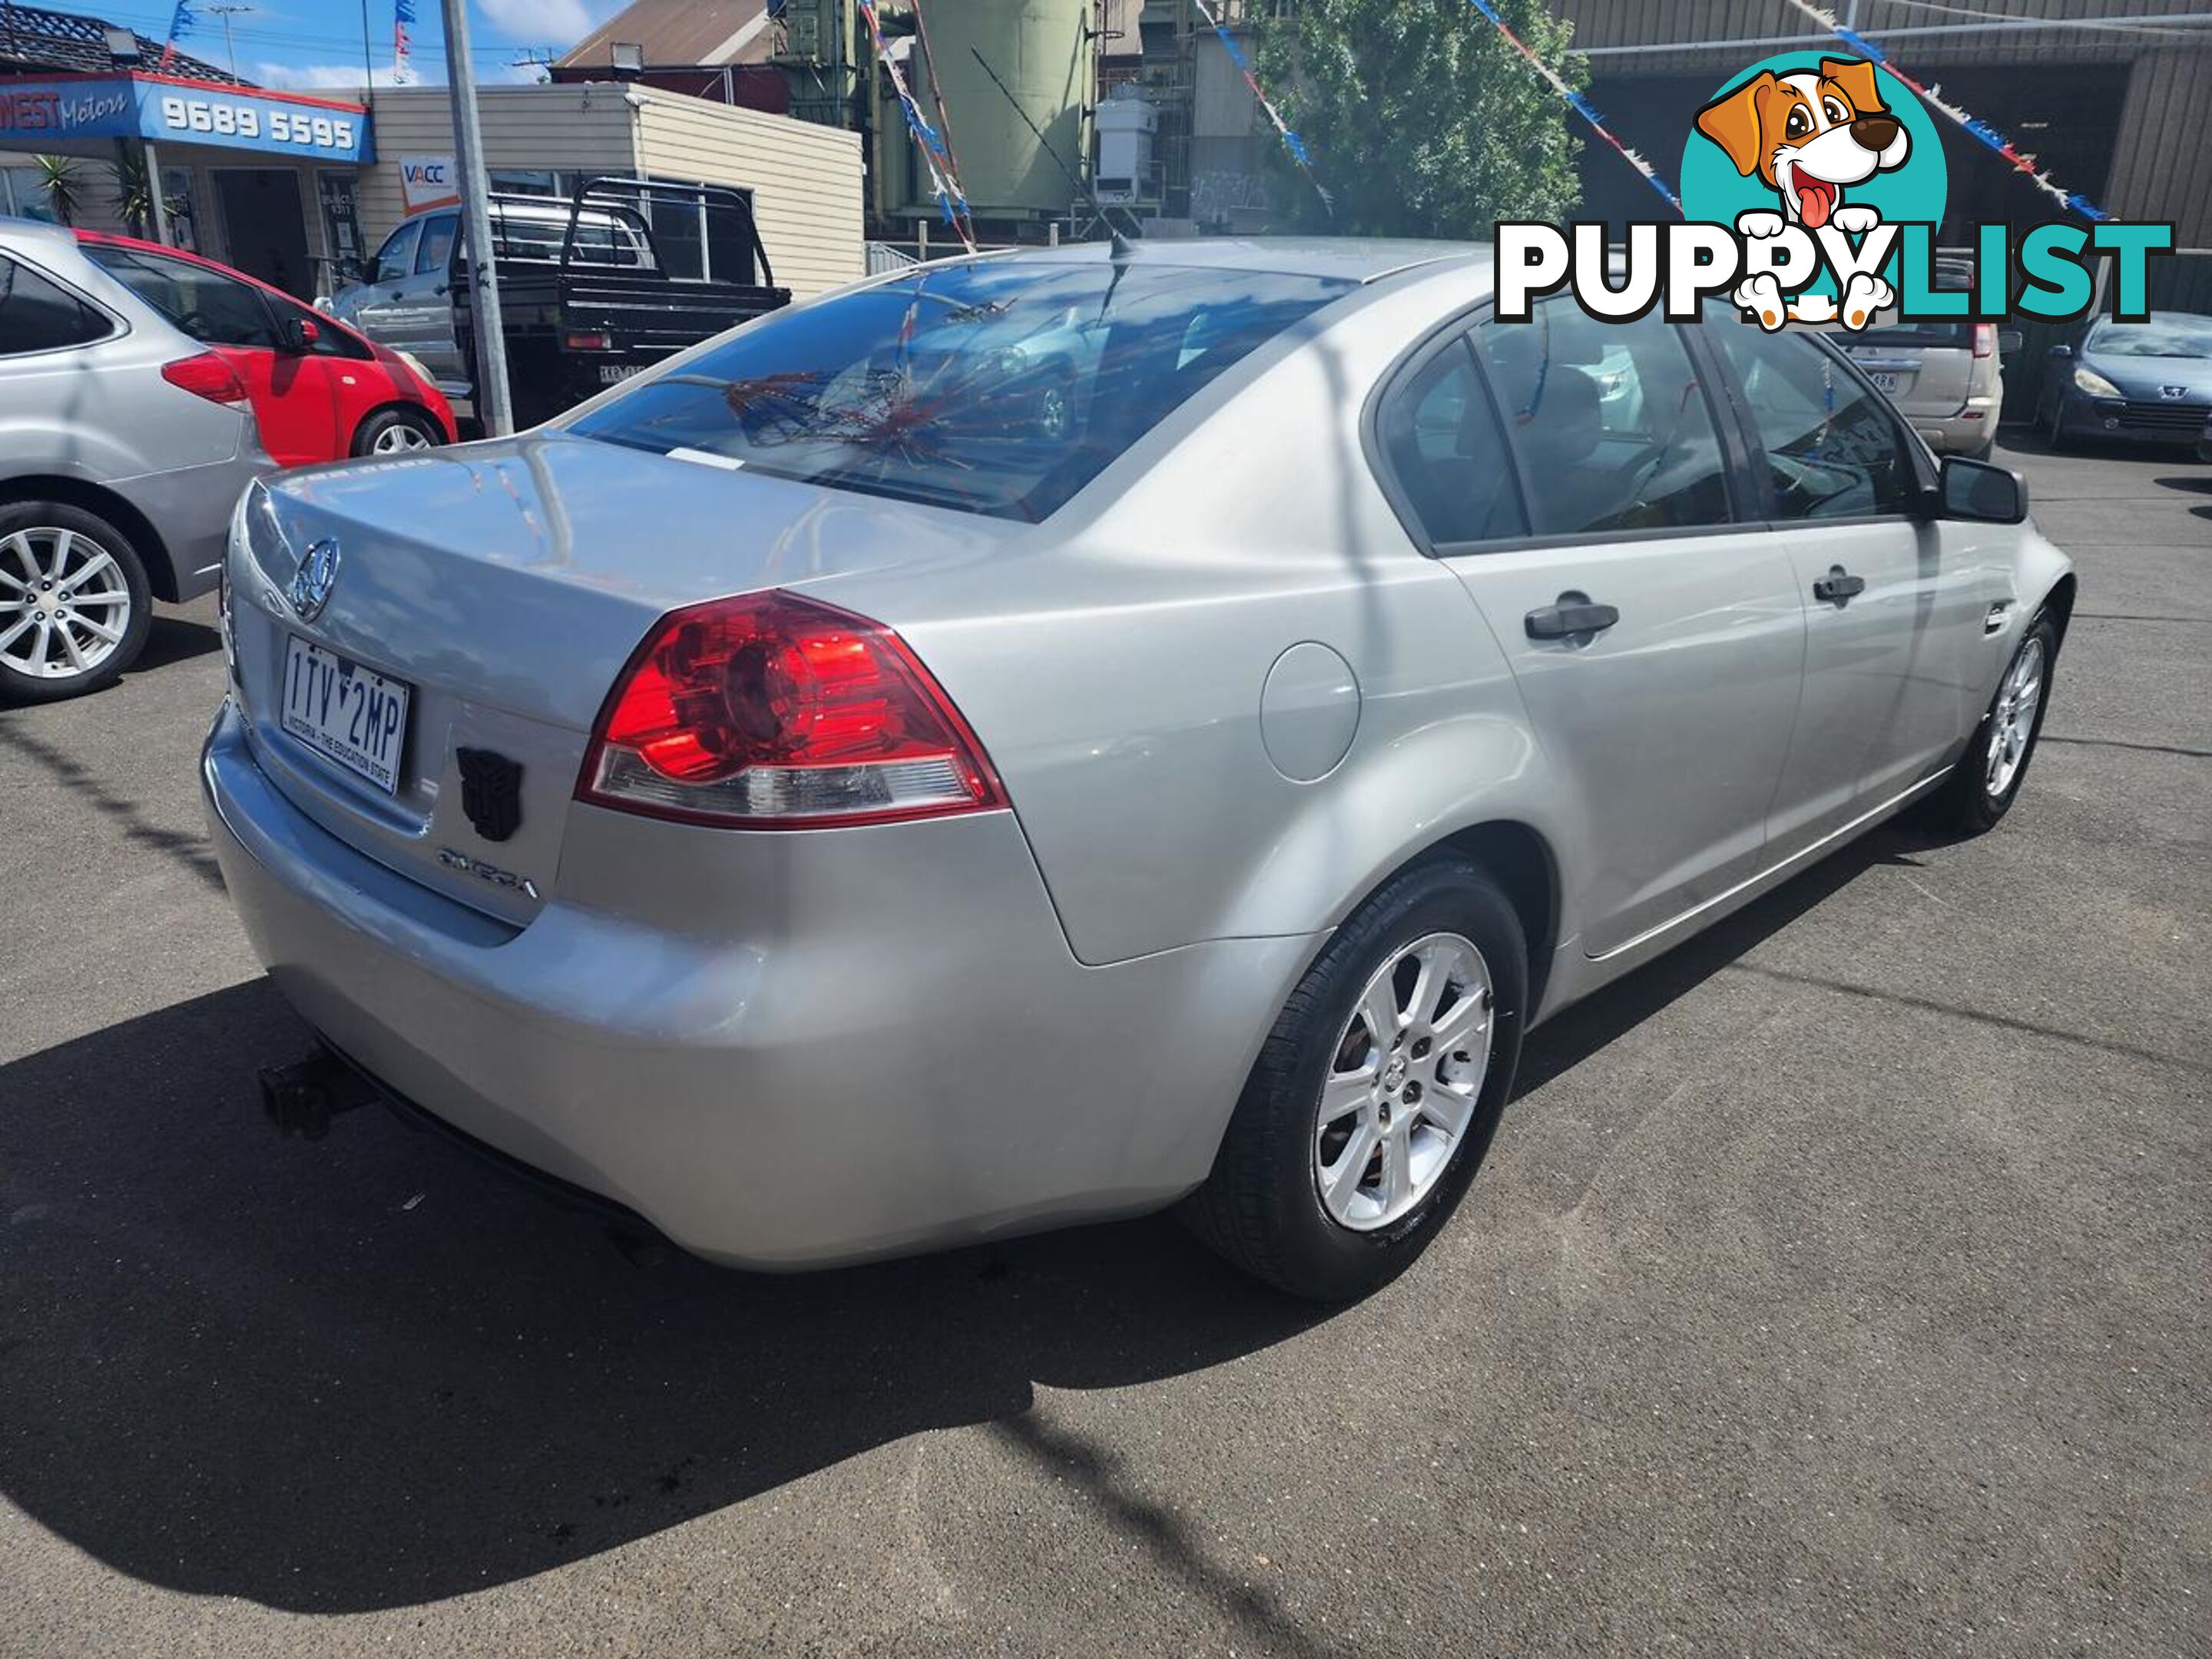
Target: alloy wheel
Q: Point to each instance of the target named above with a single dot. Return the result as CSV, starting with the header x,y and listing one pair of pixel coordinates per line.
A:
x,y
2018,699
65,602
1404,1078
400,438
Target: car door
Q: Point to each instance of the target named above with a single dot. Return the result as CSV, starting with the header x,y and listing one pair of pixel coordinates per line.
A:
x,y
429,302
1897,603
292,398
1657,646
379,310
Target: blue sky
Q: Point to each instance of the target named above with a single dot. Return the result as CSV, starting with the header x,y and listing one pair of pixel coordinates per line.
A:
x,y
318,43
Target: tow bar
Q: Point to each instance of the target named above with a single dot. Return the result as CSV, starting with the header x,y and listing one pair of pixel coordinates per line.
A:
x,y
302,1098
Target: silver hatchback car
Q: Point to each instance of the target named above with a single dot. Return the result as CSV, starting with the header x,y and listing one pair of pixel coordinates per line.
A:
x,y
835,801
124,446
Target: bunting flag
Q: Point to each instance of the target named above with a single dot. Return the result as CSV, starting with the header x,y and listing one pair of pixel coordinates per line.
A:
x,y
1291,141
180,24
1974,127
1581,105
926,139
403,26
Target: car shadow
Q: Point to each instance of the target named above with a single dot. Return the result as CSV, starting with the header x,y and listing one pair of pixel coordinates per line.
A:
x,y
369,1371
175,639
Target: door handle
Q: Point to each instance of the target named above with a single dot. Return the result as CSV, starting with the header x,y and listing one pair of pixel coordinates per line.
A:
x,y
1838,585
1574,614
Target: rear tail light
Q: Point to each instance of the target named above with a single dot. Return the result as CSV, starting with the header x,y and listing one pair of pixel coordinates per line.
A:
x,y
777,711
591,343
206,376
1985,339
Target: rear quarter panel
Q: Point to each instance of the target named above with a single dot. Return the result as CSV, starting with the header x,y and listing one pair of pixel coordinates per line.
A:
x,y
1114,663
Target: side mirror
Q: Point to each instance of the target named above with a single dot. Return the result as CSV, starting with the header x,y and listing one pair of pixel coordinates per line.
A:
x,y
1980,493
297,335
2058,352
2010,341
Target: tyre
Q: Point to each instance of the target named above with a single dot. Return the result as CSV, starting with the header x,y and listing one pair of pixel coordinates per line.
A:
x,y
1989,774
396,432
1375,1098
2054,430
74,607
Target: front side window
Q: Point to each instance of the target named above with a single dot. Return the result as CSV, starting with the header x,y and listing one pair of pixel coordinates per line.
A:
x,y
1615,431
1000,388
395,260
37,315
213,308
1443,444
1831,448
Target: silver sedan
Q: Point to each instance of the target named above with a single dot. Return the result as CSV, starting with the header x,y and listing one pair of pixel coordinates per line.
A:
x,y
1050,737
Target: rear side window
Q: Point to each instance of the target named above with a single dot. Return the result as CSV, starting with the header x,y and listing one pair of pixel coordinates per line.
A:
x,y
1833,448
37,315
1615,432
1442,441
437,249
1000,388
211,308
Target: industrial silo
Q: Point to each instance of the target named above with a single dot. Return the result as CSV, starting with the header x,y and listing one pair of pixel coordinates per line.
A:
x,y
1042,51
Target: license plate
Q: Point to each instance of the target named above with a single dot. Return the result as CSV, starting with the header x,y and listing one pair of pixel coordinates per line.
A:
x,y
345,712
615,373
1885,380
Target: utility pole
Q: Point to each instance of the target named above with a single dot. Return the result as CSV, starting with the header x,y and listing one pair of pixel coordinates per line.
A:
x,y
494,408
229,45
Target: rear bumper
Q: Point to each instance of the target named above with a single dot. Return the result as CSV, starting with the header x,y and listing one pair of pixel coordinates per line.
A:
x,y
921,1063
189,509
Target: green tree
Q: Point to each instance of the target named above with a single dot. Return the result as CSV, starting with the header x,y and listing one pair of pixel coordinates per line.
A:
x,y
1421,119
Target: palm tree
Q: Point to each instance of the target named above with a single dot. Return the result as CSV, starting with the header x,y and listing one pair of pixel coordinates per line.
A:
x,y
58,178
134,191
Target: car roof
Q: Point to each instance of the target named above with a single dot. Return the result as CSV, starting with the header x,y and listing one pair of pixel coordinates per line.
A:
x,y
25,231
1355,258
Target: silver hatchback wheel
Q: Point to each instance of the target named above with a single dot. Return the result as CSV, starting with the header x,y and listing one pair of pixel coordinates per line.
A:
x,y
65,602
1406,1074
400,438
2018,701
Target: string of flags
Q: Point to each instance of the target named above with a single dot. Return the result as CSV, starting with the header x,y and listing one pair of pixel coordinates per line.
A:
x,y
1974,127
926,139
1291,141
403,57
1581,105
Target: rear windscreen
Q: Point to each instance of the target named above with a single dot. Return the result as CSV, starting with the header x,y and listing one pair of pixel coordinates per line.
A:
x,y
1000,388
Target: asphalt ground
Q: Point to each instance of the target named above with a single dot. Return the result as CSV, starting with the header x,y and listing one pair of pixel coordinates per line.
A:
x,y
1839,1286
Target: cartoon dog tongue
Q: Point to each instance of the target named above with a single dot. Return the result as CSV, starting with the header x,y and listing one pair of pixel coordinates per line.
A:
x,y
1816,199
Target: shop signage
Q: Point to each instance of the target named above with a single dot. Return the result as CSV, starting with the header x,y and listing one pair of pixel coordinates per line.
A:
x,y
428,181
171,111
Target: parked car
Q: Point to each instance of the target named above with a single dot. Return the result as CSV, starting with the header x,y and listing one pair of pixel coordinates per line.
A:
x,y
125,444
1948,379
2148,382
833,824
588,296
320,391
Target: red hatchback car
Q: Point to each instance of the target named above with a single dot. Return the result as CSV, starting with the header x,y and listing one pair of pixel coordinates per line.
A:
x,y
319,391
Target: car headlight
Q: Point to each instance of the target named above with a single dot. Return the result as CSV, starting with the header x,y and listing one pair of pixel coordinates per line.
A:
x,y
422,369
2094,384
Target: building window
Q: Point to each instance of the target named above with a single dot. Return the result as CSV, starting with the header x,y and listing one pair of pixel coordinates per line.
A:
x,y
22,196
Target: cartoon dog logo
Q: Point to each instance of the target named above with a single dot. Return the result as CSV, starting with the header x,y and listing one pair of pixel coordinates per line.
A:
x,y
1809,136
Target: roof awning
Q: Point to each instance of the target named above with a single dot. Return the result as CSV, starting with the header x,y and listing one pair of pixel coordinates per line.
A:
x,y
59,110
